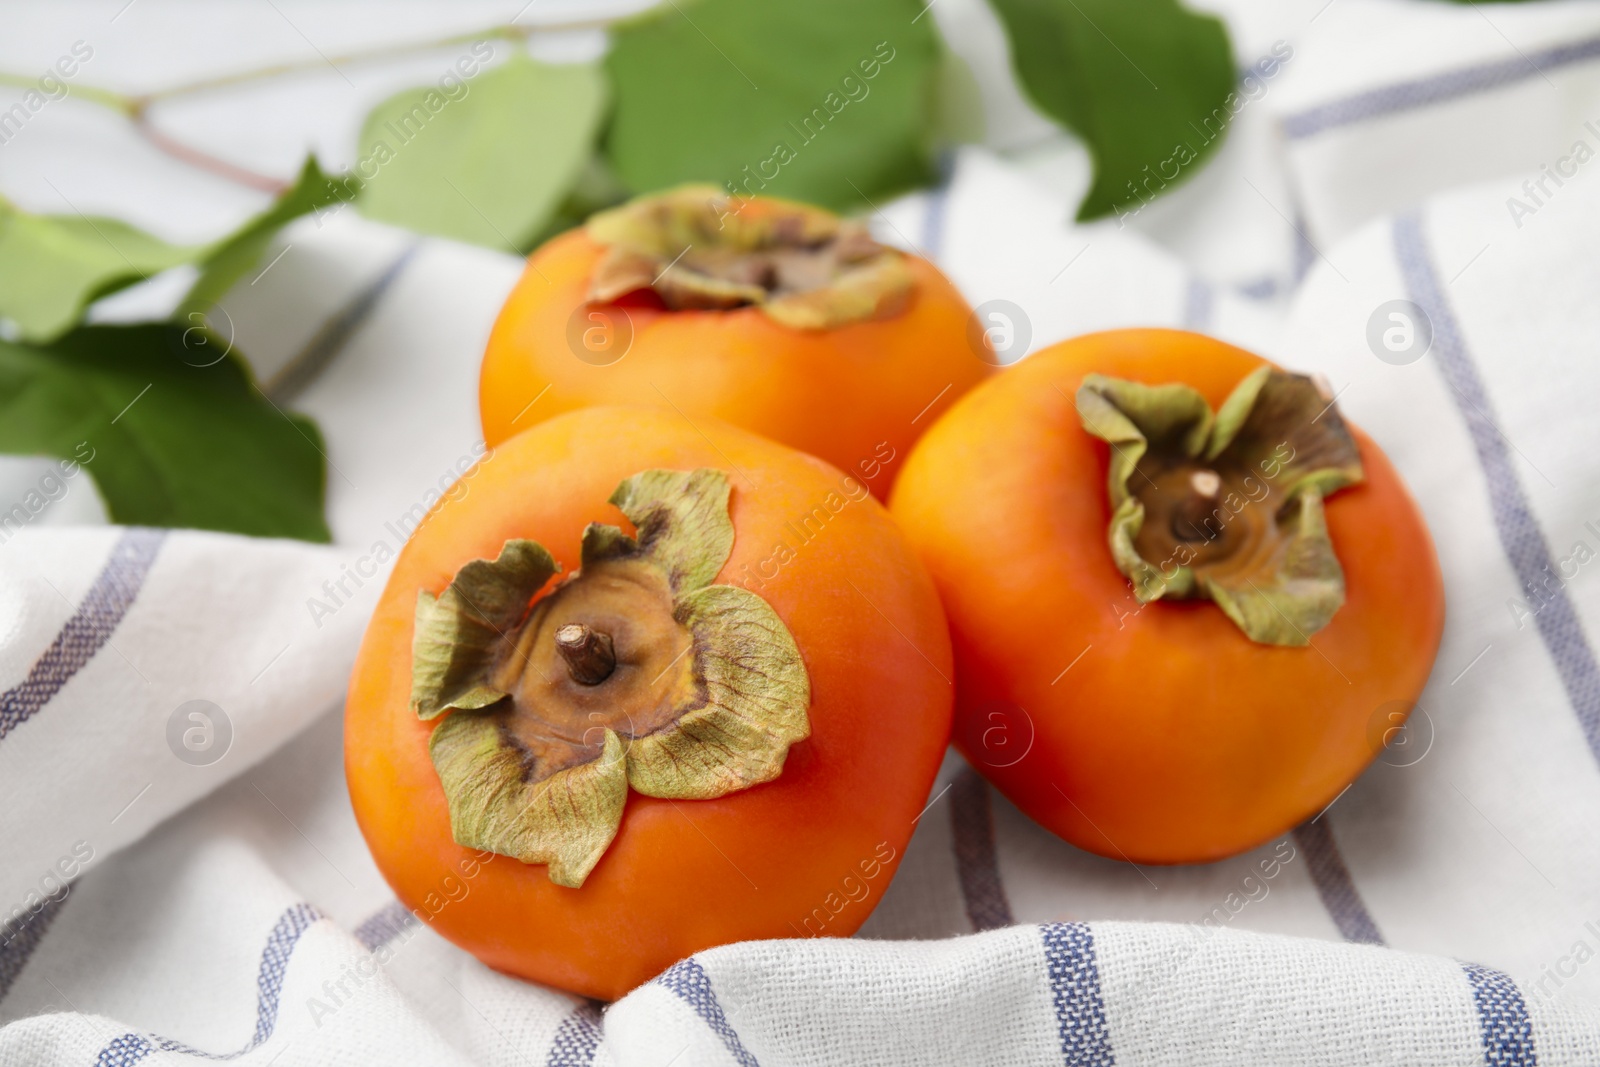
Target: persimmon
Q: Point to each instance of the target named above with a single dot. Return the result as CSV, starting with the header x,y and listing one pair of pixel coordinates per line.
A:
x,y
1185,595
768,314
642,689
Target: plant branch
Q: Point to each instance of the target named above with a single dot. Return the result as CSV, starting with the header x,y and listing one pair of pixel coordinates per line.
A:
x,y
104,97
504,32
137,106
202,160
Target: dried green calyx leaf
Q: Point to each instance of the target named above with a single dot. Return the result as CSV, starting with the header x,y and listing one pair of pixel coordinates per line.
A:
x,y
460,632
1227,506
636,671
696,247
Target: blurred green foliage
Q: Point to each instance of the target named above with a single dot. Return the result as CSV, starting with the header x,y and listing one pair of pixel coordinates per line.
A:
x,y
177,432
839,102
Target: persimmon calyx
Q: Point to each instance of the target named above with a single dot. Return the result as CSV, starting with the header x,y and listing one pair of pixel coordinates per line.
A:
x,y
1227,506
696,247
635,671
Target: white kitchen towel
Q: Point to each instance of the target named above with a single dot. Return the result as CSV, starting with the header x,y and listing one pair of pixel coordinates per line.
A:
x,y
1387,103
224,931
1445,910
138,661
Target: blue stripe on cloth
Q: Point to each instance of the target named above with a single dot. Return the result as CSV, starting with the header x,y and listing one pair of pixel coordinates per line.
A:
x,y
124,1051
689,980
1436,89
274,961
107,601
1503,1014
384,925
281,942
577,1038
933,222
334,334
1305,253
1075,989
1334,884
1260,289
19,937
1520,536
977,864
1198,301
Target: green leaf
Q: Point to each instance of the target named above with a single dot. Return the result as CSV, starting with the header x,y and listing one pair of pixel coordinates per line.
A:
x,y
52,267
224,262
958,104
596,189
827,101
170,443
492,165
1144,83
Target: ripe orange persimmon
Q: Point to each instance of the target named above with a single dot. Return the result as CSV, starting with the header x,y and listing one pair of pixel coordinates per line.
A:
x,y
718,723
1098,688
767,314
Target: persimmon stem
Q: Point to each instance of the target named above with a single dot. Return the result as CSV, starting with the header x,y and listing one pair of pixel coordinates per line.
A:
x,y
1190,515
589,653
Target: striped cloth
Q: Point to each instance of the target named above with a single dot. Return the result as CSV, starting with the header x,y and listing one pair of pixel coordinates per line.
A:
x,y
182,880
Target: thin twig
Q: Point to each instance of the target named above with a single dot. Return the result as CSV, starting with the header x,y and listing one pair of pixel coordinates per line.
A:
x,y
202,160
136,106
104,97
391,51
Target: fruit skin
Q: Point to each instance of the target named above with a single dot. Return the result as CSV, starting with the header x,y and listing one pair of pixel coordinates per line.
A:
x,y
1174,739
681,876
848,395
